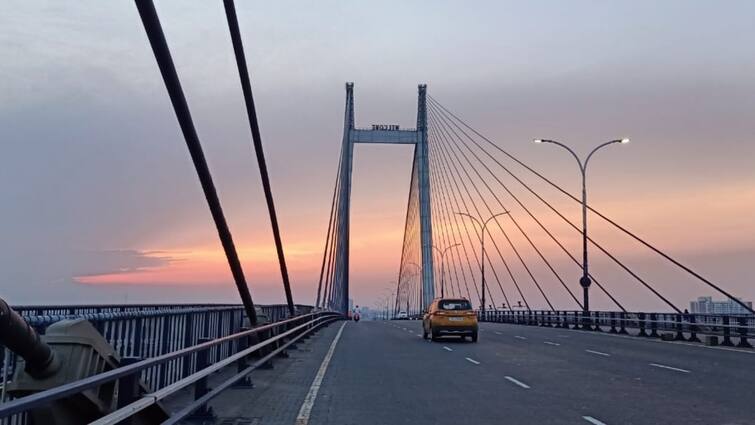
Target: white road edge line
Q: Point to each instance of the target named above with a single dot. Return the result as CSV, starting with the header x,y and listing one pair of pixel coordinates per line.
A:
x,y
447,348
551,343
517,382
472,360
498,333
593,420
669,368
519,337
598,353
309,400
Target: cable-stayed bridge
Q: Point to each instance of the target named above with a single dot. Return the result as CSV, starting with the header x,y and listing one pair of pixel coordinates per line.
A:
x,y
559,343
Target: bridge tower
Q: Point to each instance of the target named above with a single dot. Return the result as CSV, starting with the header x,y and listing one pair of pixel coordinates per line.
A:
x,y
388,134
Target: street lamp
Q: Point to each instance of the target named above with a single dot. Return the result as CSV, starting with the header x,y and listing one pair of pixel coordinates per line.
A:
x,y
483,226
442,267
585,280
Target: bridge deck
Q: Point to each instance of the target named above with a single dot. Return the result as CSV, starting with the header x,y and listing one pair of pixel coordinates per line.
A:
x,y
385,373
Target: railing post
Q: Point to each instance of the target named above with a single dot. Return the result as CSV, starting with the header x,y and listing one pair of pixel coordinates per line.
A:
x,y
138,343
693,329
281,341
623,323
654,325
727,333
128,387
743,343
163,379
577,319
264,350
188,342
243,344
200,387
679,329
641,324
597,322
613,323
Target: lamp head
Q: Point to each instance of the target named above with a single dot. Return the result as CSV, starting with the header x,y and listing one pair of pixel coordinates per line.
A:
x,y
624,141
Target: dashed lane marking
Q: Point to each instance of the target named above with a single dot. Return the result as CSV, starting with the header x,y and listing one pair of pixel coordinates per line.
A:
x,y
517,382
598,353
309,400
675,369
498,333
447,348
519,337
593,420
472,360
551,343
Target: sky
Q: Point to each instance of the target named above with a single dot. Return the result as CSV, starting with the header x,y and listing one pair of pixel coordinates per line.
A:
x,y
101,202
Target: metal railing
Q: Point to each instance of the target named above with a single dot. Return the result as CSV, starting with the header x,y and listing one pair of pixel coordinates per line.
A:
x,y
179,367
148,330
683,327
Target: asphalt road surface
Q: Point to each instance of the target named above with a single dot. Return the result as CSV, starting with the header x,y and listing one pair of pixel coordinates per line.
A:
x,y
385,373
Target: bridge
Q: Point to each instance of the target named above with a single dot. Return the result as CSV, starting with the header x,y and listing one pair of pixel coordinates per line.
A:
x,y
559,343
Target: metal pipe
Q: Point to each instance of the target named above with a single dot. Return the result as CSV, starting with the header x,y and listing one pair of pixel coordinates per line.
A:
x,y
23,340
154,30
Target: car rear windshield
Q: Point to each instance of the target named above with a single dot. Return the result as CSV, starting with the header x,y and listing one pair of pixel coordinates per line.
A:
x,y
454,305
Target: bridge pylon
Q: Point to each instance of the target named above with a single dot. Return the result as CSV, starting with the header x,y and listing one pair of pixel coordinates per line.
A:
x,y
338,292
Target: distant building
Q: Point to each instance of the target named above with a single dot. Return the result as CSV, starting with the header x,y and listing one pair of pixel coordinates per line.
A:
x,y
706,305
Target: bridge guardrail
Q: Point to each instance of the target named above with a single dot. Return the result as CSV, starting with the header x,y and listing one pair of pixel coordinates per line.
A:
x,y
146,330
685,326
190,365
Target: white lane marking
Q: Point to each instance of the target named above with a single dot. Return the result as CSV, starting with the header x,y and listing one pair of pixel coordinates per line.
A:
x,y
447,348
676,369
519,337
593,420
598,353
551,343
517,382
498,333
309,400
472,360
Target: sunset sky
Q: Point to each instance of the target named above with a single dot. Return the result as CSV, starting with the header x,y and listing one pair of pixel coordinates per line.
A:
x,y
101,202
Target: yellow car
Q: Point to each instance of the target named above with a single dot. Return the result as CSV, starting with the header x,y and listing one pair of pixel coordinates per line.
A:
x,y
450,316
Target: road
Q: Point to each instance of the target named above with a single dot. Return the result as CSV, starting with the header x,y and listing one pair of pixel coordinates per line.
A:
x,y
385,373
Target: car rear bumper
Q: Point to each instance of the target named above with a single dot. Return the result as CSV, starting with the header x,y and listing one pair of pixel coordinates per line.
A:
x,y
455,330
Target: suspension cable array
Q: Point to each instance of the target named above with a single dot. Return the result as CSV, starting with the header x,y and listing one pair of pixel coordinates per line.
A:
x,y
511,242
471,170
160,48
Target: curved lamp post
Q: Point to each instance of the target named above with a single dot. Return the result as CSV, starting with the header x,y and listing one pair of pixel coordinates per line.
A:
x,y
442,266
483,226
585,280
